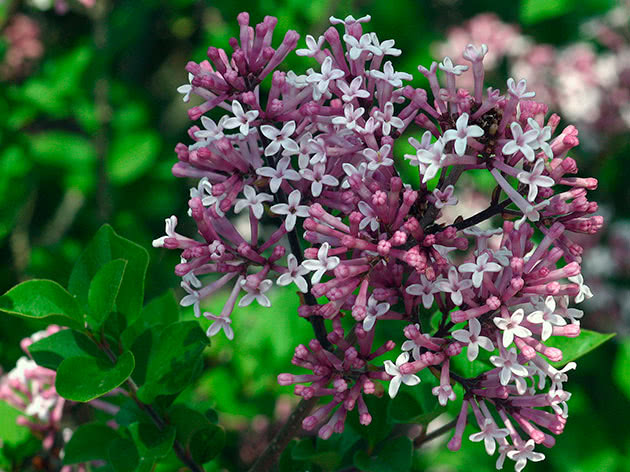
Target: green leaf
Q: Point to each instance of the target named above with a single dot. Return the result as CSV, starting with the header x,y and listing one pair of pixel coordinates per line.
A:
x,y
10,431
621,368
533,11
162,310
380,427
196,433
417,404
106,247
82,379
43,299
304,450
151,442
173,359
394,456
103,291
131,155
90,442
574,348
50,351
123,455
62,149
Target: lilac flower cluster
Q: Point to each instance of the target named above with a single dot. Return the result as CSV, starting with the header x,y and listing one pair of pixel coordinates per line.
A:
x,y
30,389
317,157
585,81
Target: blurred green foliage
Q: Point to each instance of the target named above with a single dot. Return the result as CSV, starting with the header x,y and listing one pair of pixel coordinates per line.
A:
x,y
87,138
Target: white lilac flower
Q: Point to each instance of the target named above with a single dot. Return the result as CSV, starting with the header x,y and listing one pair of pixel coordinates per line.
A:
x,y
432,158
547,318
292,210
389,75
294,274
369,217
280,139
454,286
219,323
426,289
283,171
479,267
374,311
472,339
350,170
40,407
398,378
352,91
211,129
350,116
193,298
524,142
535,179
512,327
585,292
558,377
252,200
356,46
387,118
385,48
519,90
321,80
322,264
255,293
317,175
488,434
525,452
241,118
186,89
444,197
473,54
317,147
378,158
171,224
461,133
312,46
508,363
23,365
447,66
544,135
349,20
444,394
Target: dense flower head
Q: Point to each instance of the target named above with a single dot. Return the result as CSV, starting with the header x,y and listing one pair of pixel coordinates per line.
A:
x,y
317,158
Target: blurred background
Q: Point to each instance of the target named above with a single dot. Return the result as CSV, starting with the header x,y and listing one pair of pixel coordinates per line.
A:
x,y
89,117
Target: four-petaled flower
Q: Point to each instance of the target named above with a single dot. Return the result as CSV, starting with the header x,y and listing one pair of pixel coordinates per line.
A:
x,y
535,179
426,289
488,434
389,75
241,118
447,66
350,116
374,311
472,339
292,210
508,363
294,274
461,133
524,452
454,286
387,118
398,378
378,158
519,90
479,267
255,292
321,80
444,197
280,173
432,158
219,322
322,264
512,327
281,138
585,292
319,178
252,200
370,217
547,318
352,91
524,142
444,394
312,46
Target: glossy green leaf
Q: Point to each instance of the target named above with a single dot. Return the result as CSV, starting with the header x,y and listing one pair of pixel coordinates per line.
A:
x,y
10,431
381,425
89,442
123,455
43,299
195,432
50,351
106,247
393,456
83,379
574,348
103,291
304,450
162,310
207,443
151,442
173,359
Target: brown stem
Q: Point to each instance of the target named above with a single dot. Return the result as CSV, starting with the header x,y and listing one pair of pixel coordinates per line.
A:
x,y
424,438
269,457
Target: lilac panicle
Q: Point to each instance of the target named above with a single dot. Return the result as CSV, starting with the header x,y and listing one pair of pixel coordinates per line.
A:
x,y
316,158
